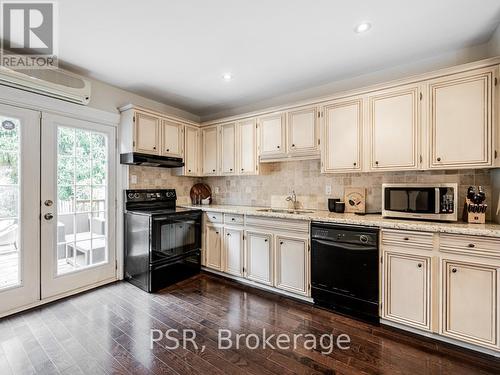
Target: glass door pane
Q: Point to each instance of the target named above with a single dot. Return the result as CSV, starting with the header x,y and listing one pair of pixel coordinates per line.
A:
x,y
9,202
81,199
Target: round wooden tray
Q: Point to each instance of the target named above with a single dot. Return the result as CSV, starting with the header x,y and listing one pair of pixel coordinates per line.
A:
x,y
200,189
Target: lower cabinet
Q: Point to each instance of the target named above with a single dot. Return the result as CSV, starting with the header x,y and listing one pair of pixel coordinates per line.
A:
x,y
407,289
259,257
470,299
233,251
213,246
291,264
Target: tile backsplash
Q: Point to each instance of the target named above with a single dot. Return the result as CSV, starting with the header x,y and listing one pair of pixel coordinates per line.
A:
x,y
277,180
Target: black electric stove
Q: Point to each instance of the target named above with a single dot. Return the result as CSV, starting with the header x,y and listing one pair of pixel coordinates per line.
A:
x,y
162,241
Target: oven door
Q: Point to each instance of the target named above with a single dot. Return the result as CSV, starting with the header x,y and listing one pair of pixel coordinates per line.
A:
x,y
414,200
175,235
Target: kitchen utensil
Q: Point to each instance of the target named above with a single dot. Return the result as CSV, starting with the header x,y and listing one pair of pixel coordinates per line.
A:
x,y
199,192
339,207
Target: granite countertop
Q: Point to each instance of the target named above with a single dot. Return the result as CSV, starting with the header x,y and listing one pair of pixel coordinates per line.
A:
x,y
372,220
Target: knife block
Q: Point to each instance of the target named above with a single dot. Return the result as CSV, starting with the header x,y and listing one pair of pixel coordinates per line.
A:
x,y
473,217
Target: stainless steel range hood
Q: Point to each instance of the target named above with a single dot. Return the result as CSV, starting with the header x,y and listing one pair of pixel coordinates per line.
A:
x,y
135,158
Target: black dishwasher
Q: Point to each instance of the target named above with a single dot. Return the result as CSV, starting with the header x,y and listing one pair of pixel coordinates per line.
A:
x,y
345,269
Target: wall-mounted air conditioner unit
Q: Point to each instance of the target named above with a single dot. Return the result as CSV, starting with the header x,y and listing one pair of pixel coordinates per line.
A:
x,y
56,83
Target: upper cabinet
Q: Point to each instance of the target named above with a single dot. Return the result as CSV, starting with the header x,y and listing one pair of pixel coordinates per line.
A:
x,y
272,136
342,131
394,122
460,120
210,149
146,133
228,149
172,137
302,129
191,151
247,147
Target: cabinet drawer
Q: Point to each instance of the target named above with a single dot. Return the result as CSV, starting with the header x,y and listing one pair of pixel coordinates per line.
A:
x,y
422,240
470,245
233,219
214,217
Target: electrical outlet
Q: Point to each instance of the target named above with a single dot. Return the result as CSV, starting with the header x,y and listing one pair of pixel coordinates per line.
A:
x,y
328,189
216,190
133,179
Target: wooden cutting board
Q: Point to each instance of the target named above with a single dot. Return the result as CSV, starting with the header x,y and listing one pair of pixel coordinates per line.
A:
x,y
200,189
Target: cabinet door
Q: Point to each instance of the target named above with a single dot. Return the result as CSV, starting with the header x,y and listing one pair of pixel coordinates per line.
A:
x,y
470,302
209,154
395,127
191,152
259,257
172,138
247,147
303,131
233,251
272,136
213,247
460,120
407,289
146,133
342,136
228,149
292,262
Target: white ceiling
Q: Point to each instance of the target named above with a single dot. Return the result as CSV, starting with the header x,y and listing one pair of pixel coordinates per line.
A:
x,y
176,51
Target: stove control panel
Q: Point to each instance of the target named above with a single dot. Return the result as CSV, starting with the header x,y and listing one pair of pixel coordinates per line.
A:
x,y
148,195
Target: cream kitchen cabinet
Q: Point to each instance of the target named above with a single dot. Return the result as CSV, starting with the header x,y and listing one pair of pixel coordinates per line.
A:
x,y
272,136
406,292
146,133
303,132
470,302
395,126
233,251
228,147
246,148
342,136
460,120
292,264
209,144
191,151
259,256
172,138
213,246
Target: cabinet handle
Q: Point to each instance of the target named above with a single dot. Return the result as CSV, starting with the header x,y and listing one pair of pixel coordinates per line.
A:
x,y
419,265
438,159
406,239
454,270
471,245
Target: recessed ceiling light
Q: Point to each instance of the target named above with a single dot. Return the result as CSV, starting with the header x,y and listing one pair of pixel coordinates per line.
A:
x,y
362,27
227,77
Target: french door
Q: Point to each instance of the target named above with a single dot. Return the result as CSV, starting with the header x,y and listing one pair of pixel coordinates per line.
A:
x,y
57,206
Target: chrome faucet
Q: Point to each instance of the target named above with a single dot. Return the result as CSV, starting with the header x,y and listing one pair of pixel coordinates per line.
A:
x,y
292,198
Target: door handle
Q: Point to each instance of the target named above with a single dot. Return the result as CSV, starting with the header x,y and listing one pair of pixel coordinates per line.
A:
x,y
48,216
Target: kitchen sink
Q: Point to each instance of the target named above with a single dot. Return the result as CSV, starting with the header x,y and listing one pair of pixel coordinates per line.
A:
x,y
285,211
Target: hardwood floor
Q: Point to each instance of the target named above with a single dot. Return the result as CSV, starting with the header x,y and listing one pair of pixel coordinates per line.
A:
x,y
107,331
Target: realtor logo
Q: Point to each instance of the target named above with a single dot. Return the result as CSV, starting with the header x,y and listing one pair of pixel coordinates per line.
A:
x,y
28,35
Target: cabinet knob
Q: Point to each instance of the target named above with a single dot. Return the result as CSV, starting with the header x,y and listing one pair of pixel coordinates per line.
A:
x,y
168,149
230,169
213,217
229,234
242,169
471,245
189,170
281,242
154,147
216,232
293,145
277,146
354,163
454,270
419,265
406,239
376,162
265,240
438,159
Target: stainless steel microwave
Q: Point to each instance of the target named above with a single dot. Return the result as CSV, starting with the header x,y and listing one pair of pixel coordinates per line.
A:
x,y
420,201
